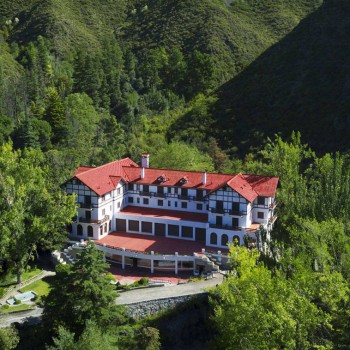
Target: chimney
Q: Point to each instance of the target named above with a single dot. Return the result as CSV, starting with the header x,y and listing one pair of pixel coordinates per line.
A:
x,y
145,160
142,173
204,181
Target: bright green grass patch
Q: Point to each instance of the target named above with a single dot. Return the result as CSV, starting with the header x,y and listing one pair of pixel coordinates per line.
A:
x,y
20,307
41,287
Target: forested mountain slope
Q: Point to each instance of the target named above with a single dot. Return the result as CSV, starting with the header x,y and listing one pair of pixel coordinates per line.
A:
x,y
301,83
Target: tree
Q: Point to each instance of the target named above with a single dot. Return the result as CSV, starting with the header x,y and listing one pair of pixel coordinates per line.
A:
x,y
8,338
92,338
33,212
81,292
254,309
179,155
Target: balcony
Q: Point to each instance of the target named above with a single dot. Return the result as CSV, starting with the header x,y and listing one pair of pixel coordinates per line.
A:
x,y
235,212
226,227
272,219
92,221
160,195
273,205
146,193
86,205
187,198
217,210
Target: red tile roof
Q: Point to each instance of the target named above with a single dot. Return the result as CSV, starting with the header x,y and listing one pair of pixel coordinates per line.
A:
x,y
165,213
105,178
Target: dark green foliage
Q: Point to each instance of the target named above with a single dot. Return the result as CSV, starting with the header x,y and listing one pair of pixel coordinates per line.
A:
x,y
82,292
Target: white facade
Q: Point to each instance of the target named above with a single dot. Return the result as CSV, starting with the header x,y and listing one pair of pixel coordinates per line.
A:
x,y
229,215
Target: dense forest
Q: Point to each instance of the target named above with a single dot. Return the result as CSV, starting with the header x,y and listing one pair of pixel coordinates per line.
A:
x,y
215,85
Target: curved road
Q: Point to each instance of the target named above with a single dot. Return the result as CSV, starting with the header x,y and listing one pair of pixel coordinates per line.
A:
x,y
125,298
146,294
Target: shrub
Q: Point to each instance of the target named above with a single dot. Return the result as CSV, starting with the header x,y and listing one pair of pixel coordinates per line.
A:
x,y
143,281
5,306
17,302
2,292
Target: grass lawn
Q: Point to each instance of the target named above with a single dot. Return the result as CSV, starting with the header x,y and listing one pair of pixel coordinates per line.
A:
x,y
12,279
16,308
41,287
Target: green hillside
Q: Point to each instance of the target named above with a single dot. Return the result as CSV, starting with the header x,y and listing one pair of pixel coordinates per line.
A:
x,y
301,83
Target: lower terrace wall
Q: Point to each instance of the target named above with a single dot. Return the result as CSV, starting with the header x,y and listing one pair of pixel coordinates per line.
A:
x,y
146,308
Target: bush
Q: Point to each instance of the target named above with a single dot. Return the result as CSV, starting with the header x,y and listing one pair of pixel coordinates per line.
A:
x,y
143,281
17,301
2,292
5,306
111,277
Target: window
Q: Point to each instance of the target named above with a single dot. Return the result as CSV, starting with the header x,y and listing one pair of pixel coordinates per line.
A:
x,y
220,205
79,230
184,192
103,211
235,222
224,240
90,231
213,238
173,230
88,215
146,227
130,186
160,189
183,205
219,220
169,204
105,227
187,231
131,200
235,207
176,190
175,204
145,201
118,205
118,191
199,206
145,188
110,226
101,230
199,194
138,200
235,240
160,202
260,215
103,198
133,225
261,200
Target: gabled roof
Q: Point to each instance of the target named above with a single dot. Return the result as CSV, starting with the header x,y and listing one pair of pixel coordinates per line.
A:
x,y
174,177
104,178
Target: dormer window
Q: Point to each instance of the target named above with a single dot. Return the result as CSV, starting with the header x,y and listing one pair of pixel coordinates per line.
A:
x,y
162,178
183,180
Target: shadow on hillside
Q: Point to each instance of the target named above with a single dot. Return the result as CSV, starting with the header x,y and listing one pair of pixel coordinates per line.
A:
x,y
301,83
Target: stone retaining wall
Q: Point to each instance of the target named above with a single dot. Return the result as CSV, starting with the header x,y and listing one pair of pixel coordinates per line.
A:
x,y
146,308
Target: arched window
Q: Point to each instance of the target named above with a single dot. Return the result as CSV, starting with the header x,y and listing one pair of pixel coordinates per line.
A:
x,y
236,241
213,238
80,230
69,228
224,240
106,227
90,231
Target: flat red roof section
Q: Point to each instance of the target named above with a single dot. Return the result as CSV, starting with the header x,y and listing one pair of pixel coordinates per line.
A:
x,y
165,214
162,245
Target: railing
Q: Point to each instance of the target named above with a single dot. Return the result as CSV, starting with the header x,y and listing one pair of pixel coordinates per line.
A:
x,y
160,195
217,210
272,219
199,199
92,221
146,193
226,227
87,205
180,196
273,205
235,212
